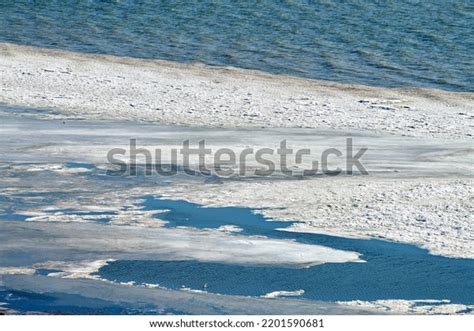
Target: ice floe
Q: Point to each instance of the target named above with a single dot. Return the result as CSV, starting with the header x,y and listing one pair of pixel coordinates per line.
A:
x,y
430,307
278,294
124,88
122,242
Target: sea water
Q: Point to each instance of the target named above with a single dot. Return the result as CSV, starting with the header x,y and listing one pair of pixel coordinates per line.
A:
x,y
384,43
391,271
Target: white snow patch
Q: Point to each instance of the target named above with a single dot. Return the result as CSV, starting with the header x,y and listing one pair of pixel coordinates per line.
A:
x,y
80,269
278,294
426,307
229,228
125,88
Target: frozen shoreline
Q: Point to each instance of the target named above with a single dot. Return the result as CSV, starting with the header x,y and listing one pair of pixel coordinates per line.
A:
x,y
109,87
425,201
416,193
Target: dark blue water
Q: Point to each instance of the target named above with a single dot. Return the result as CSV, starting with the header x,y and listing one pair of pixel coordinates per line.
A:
x,y
59,303
392,270
385,43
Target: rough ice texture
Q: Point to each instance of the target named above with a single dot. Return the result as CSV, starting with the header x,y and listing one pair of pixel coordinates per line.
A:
x,y
434,213
99,86
430,307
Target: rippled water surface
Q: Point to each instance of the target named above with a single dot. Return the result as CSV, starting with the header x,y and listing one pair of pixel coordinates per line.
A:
x,y
385,43
391,271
